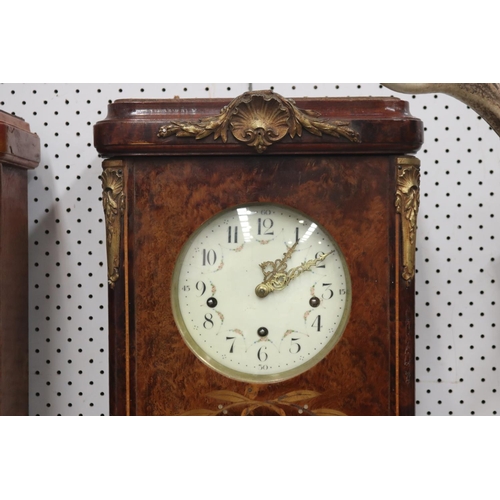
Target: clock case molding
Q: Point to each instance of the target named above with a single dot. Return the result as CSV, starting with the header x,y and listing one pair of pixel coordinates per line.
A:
x,y
172,164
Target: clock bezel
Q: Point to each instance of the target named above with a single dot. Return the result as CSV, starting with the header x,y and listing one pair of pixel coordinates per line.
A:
x,y
240,376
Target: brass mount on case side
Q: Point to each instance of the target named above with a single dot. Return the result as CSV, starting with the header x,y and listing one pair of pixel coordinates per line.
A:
x,y
407,205
113,200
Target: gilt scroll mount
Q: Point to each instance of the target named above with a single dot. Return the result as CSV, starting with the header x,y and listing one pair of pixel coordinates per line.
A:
x,y
259,119
113,199
407,205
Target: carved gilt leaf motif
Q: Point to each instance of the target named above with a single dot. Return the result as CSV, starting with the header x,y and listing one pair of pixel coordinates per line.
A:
x,y
259,119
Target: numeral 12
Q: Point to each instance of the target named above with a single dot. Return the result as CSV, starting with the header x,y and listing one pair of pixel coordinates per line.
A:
x,y
264,227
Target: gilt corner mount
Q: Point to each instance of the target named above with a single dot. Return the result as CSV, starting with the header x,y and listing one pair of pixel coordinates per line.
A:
x,y
407,205
113,200
259,119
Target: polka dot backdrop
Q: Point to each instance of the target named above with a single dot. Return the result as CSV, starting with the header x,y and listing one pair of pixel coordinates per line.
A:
x,y
457,301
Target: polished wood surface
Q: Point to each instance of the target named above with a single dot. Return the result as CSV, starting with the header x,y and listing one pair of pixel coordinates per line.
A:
x,y
19,150
348,197
131,128
18,145
172,187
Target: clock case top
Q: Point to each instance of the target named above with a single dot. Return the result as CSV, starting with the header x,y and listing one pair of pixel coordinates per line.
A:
x,y
151,177
383,125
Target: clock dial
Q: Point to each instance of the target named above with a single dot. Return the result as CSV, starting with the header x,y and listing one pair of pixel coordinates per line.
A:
x,y
261,292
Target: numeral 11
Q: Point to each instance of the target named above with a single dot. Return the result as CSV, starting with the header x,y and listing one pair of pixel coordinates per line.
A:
x,y
232,233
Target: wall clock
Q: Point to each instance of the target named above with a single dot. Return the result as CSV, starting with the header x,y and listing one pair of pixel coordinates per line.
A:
x,y
261,255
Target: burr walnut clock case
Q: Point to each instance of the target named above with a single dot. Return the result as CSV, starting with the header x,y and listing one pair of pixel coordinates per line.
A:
x,y
261,255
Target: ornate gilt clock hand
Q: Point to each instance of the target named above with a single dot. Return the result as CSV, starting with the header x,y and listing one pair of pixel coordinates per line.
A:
x,y
274,274
278,266
306,266
279,280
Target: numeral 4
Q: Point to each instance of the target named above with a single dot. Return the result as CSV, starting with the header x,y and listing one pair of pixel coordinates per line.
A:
x,y
317,323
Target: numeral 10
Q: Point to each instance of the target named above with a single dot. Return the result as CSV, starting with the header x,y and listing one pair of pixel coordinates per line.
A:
x,y
209,257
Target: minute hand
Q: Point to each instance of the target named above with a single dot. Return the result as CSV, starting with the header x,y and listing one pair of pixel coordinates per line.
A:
x,y
306,266
280,280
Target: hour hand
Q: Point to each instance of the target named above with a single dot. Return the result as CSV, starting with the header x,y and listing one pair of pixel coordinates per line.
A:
x,y
275,281
278,266
275,276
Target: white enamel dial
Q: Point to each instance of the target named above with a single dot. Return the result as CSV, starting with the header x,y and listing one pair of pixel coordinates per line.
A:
x,y
222,312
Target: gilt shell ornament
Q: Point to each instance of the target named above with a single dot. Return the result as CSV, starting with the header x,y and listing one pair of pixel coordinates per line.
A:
x,y
259,119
